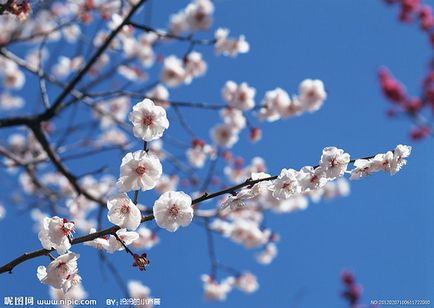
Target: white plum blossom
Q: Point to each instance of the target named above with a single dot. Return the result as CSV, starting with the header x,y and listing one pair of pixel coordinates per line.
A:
x,y
172,210
312,94
139,170
149,121
222,226
160,95
224,135
334,162
234,174
199,14
112,111
38,217
294,108
140,48
294,203
276,103
132,73
233,117
2,211
311,178
392,161
66,66
71,281
55,234
76,292
123,212
229,46
332,190
382,161
228,90
237,174
363,167
173,73
147,239
237,201
137,290
399,154
116,21
61,273
27,183
167,183
252,213
178,23
247,282
71,32
198,153
80,206
102,36
36,57
196,156
112,136
262,187
13,77
194,65
217,291
249,234
9,102
156,148
144,50
233,202
126,236
257,165
100,243
286,184
267,255
239,96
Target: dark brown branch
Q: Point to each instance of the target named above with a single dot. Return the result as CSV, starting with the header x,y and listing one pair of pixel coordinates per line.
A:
x,y
168,35
54,108
86,238
57,162
69,89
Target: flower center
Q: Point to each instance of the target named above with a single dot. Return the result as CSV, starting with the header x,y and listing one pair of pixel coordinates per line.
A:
x,y
172,74
140,170
148,120
114,108
125,209
173,211
311,93
286,185
62,268
242,96
334,162
200,16
11,78
224,134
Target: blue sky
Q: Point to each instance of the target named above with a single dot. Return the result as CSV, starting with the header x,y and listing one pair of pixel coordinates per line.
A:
x,y
382,231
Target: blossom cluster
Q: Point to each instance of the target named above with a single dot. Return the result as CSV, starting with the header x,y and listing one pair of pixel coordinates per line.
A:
x,y
241,214
309,179
277,104
140,170
176,72
130,52
214,290
197,16
418,108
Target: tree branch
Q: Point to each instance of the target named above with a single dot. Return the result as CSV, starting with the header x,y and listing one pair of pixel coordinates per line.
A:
x,y
112,230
